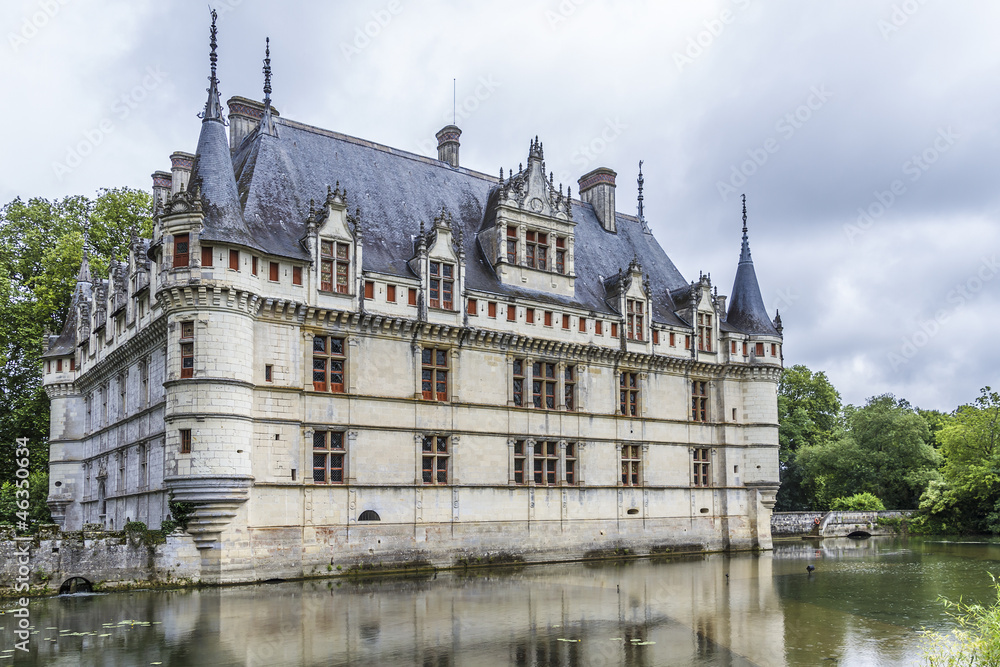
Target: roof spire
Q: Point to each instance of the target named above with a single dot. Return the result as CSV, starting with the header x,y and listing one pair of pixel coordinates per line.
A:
x,y
639,180
745,250
213,107
267,122
746,307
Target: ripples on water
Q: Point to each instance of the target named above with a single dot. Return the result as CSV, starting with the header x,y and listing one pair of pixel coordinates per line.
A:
x,y
863,605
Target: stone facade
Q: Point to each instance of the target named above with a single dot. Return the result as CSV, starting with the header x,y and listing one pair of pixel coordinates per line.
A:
x,y
459,366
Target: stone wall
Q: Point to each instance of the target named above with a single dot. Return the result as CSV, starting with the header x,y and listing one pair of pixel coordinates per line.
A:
x,y
785,524
832,524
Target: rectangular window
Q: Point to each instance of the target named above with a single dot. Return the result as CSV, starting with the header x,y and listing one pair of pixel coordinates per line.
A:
x,y
699,401
701,463
529,315
58,365
268,372
569,387
673,339
328,457
565,321
185,440
656,337
491,309
687,342
732,347
631,464
745,349
536,248
583,325
760,349
704,332
234,260
546,462
72,363
442,285
473,308
598,327
187,349
369,289
548,318
543,385
434,450
519,381
390,293
634,320
335,263
181,250
143,466
614,330
571,463
511,313
434,374
296,275
144,382
411,296
629,394
511,244
253,265
121,472
560,254
329,359
122,378
519,458
206,255
272,271
774,349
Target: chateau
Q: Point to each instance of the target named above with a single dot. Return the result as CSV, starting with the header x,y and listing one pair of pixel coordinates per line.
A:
x,y
345,354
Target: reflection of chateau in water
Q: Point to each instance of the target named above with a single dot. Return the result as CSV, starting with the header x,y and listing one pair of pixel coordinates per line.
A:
x,y
345,354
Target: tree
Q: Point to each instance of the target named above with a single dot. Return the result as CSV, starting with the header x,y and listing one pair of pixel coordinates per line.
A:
x,y
41,246
883,451
808,413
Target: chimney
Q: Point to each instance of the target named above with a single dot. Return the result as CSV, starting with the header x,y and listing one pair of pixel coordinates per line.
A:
x,y
180,170
244,117
597,188
448,144
161,187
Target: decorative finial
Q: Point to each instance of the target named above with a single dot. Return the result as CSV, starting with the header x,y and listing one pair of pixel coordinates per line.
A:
x,y
501,174
744,217
640,181
213,107
267,70
745,249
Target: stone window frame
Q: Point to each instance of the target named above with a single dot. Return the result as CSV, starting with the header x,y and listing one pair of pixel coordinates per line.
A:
x,y
330,454
186,346
565,374
142,454
337,263
635,319
442,282
182,259
630,393
706,327
700,390
450,370
701,469
434,456
330,359
523,451
633,455
122,393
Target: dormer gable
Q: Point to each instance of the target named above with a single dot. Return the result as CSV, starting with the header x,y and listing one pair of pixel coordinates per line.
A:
x,y
439,263
628,293
334,240
699,305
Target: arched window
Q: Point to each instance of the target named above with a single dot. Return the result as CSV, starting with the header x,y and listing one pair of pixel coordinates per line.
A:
x,y
369,515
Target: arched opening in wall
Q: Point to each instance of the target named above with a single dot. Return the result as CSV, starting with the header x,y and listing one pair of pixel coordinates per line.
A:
x,y
369,515
76,585
633,511
859,535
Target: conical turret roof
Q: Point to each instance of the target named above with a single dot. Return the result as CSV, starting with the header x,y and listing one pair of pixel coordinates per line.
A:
x,y
746,307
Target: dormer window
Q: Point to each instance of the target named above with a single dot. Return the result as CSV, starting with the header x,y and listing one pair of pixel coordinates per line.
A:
x,y
704,332
634,319
561,254
335,266
512,244
536,247
442,285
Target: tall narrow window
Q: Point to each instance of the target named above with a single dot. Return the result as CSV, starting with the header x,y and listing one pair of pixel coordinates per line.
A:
x,y
268,372
122,379
143,466
435,454
296,275
272,271
187,349
656,337
704,332
369,289
598,327
699,401
519,458
442,285
629,394
253,265
328,364
335,263
583,325
732,347
569,387
206,255
631,465
544,385
634,319
565,321
701,463
571,463
122,485
185,434
234,260
529,315
511,313
774,349
536,247
614,330
491,309
411,297
473,307
546,462
328,457
512,244
548,318
519,380
434,374
181,250
390,293
144,383
745,353
560,254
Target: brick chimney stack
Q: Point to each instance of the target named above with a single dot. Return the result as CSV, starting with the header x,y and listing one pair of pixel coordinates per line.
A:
x,y
161,186
244,117
448,144
180,170
597,188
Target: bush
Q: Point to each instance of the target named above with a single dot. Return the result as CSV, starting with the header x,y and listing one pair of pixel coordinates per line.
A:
x,y
859,502
976,640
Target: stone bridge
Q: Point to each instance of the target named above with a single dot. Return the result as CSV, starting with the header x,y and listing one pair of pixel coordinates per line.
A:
x,y
834,524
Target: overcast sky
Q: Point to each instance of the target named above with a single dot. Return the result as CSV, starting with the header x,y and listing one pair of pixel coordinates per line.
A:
x,y
864,133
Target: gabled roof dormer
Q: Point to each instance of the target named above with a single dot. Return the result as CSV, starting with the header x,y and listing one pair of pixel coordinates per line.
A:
x,y
334,240
439,263
528,229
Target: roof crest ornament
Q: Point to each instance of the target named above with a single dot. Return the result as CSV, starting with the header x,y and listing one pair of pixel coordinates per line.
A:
x,y
745,250
213,107
640,181
267,122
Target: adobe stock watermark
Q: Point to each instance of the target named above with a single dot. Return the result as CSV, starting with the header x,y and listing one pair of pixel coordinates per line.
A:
x,y
35,22
464,109
899,17
958,297
786,127
563,12
365,34
703,40
121,109
914,168
23,549
586,154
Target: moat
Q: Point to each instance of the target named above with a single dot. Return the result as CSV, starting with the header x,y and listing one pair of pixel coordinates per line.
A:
x,y
865,604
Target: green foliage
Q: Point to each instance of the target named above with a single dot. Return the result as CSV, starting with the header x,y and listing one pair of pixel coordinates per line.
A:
x,y
975,641
38,493
859,502
883,451
808,414
135,527
41,245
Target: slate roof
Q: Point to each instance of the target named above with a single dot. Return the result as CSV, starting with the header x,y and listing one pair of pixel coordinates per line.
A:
x,y
746,307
